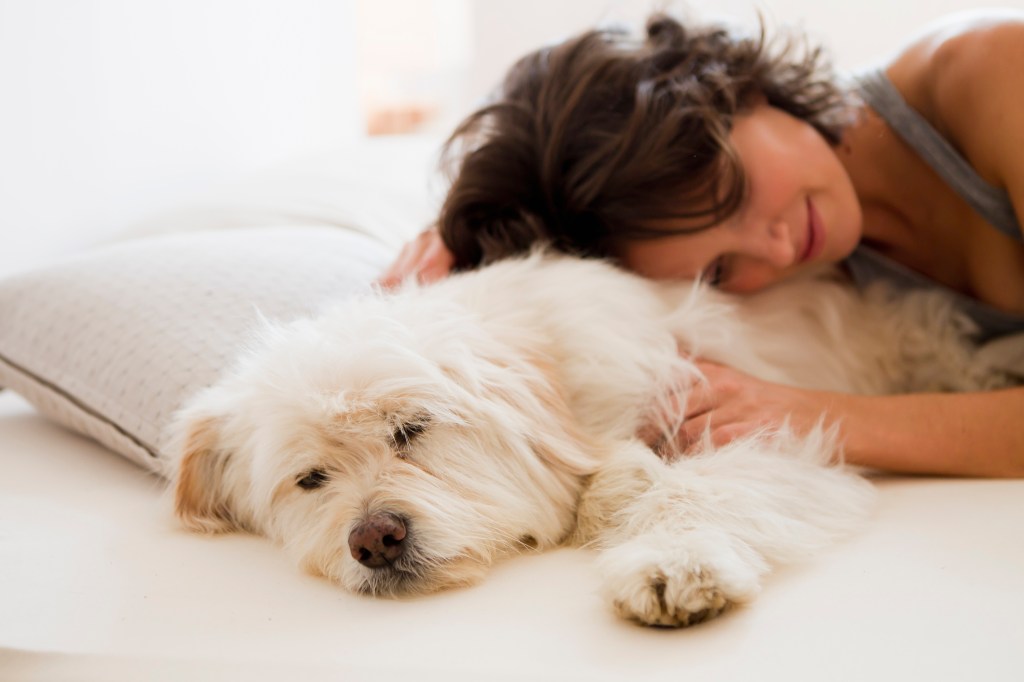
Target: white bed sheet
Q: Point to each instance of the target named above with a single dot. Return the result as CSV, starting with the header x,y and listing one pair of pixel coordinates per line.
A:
x,y
98,583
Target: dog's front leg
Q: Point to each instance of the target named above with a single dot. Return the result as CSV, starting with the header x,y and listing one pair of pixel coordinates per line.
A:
x,y
681,542
661,562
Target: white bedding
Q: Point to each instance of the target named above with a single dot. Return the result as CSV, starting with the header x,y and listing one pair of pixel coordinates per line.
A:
x,y
98,583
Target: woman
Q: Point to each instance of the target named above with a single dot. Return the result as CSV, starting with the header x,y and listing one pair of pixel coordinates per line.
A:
x,y
697,152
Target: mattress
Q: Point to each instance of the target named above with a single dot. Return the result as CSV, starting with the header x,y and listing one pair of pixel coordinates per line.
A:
x,y
98,582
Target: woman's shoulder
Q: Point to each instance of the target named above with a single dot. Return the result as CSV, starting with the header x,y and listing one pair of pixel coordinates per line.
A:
x,y
966,42
964,73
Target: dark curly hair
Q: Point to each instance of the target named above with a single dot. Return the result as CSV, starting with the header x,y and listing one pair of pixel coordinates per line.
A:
x,y
598,138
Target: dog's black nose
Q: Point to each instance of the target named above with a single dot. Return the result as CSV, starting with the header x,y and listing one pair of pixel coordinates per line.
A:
x,y
377,540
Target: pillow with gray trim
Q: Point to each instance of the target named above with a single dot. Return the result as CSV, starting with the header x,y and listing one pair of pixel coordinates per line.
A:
x,y
111,343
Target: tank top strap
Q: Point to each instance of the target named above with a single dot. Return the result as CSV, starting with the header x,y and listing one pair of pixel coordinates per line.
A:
x,y
992,203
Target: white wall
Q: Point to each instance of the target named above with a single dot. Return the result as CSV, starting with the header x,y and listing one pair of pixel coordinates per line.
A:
x,y
857,32
111,108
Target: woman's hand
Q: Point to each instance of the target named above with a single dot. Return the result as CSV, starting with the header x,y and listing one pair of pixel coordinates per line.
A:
x,y
425,257
731,404
960,434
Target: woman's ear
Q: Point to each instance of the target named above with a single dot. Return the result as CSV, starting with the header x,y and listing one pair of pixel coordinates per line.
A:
x,y
201,497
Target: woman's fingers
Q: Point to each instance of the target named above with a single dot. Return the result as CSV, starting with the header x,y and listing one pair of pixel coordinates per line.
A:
x,y
699,400
425,257
690,401
436,261
709,408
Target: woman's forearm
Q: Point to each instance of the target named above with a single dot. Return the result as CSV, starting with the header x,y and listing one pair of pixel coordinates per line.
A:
x,y
960,434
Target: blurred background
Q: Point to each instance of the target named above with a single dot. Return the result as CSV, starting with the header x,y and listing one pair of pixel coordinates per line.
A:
x,y
112,109
423,63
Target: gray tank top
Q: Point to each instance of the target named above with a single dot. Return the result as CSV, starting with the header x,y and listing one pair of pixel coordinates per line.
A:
x,y
991,203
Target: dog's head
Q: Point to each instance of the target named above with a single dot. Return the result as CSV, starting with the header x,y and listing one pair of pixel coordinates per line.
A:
x,y
392,449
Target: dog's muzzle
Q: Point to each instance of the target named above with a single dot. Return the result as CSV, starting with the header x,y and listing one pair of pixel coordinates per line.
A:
x,y
378,540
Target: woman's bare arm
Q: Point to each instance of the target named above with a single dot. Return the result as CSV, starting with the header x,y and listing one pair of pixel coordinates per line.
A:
x,y
957,434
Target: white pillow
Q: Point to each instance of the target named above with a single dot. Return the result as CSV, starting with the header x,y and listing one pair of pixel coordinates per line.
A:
x,y
111,343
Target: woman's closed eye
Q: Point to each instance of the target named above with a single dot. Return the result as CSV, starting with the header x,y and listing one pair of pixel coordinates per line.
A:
x,y
715,273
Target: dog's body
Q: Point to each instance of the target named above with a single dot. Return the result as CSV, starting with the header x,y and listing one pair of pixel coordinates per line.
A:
x,y
403,442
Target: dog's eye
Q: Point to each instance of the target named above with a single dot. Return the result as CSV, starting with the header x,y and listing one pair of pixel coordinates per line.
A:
x,y
406,433
312,479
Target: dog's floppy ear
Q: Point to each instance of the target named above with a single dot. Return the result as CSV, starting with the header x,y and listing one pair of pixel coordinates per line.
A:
x,y
564,444
201,498
561,442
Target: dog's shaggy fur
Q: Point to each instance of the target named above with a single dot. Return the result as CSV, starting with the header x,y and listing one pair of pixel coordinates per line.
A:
x,y
404,442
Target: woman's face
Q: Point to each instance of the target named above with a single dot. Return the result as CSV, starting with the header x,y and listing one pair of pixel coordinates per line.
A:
x,y
800,210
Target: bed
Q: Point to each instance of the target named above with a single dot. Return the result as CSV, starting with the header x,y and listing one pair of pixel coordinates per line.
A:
x,y
98,582
163,129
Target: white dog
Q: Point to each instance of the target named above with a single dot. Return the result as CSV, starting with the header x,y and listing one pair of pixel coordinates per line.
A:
x,y
403,442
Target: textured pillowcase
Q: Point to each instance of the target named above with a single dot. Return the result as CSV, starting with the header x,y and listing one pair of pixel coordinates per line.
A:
x,y
112,343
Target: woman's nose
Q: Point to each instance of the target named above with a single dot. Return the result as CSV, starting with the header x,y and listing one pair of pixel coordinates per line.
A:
x,y
776,246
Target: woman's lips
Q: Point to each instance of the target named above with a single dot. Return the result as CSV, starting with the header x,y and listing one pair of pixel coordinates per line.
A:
x,y
815,234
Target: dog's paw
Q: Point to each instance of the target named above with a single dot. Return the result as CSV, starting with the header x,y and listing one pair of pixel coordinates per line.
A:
x,y
678,585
